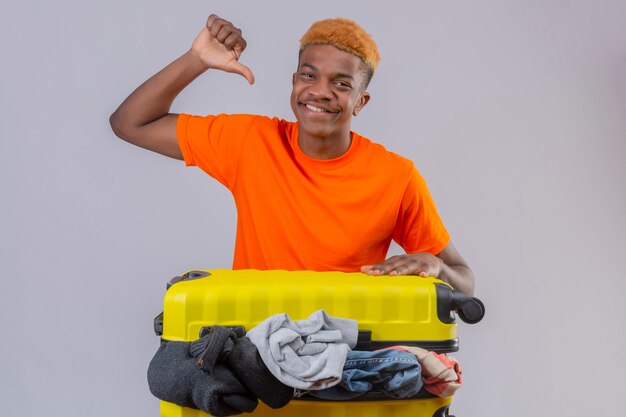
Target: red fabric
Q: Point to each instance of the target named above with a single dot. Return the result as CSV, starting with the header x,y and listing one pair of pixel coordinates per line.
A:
x,y
441,374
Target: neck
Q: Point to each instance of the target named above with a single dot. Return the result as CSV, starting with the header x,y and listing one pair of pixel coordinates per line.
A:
x,y
324,147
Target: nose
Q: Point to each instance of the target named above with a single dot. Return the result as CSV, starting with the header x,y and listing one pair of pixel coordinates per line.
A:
x,y
321,90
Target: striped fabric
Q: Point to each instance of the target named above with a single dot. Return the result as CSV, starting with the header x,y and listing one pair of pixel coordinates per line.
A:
x,y
441,373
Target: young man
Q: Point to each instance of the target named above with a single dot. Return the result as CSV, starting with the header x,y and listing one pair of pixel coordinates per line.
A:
x,y
311,195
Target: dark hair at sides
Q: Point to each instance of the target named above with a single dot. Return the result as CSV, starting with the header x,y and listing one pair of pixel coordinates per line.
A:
x,y
368,71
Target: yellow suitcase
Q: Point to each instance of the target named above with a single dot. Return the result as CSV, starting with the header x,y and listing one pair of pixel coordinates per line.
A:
x,y
398,310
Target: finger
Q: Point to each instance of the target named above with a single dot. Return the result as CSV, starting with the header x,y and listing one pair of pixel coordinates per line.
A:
x,y
238,68
210,20
410,266
370,270
431,269
427,271
388,266
374,269
411,270
225,32
212,23
430,272
403,269
216,26
235,42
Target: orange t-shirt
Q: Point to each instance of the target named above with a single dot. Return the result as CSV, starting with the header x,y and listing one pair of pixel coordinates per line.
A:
x,y
300,213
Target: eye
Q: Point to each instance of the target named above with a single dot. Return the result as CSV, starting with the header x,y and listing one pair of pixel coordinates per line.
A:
x,y
306,75
343,85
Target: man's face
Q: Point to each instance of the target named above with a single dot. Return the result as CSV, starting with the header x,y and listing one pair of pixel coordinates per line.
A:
x,y
328,89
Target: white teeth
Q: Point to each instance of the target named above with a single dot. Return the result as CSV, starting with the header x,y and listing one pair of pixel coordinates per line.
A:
x,y
313,108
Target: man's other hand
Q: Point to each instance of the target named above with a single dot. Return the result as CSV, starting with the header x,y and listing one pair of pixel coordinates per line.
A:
x,y
423,264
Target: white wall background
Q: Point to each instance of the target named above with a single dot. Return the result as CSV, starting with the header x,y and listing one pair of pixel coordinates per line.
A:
x,y
515,112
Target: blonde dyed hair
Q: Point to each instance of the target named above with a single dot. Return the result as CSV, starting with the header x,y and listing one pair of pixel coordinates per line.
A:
x,y
346,35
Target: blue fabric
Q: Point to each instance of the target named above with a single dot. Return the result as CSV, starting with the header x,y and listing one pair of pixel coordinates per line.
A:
x,y
392,372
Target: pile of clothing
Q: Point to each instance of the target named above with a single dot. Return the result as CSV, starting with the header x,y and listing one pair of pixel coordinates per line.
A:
x,y
280,359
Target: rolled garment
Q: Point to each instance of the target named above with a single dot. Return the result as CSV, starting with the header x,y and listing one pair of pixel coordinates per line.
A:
x,y
441,373
221,346
174,377
306,354
391,372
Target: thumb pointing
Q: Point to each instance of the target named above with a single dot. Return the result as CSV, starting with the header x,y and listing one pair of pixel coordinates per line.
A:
x,y
242,70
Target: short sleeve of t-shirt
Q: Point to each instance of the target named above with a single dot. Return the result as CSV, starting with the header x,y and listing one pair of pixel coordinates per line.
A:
x,y
213,143
419,227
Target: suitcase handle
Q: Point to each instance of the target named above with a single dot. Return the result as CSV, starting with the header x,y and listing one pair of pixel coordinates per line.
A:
x,y
187,276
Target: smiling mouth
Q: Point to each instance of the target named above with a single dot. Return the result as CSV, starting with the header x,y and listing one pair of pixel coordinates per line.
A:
x,y
315,109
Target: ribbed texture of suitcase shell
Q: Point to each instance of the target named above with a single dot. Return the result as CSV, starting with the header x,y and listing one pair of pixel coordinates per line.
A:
x,y
393,308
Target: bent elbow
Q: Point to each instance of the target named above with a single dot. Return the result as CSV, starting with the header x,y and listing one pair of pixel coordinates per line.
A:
x,y
117,126
122,129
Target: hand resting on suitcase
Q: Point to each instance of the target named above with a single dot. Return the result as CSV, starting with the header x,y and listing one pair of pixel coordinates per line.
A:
x,y
449,266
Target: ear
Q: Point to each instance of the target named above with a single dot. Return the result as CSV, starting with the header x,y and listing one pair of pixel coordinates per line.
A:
x,y
293,79
363,99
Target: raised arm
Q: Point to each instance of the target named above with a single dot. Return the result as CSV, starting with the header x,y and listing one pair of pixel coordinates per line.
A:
x,y
143,119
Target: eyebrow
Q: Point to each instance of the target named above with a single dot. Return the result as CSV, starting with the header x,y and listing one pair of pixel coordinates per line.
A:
x,y
338,75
